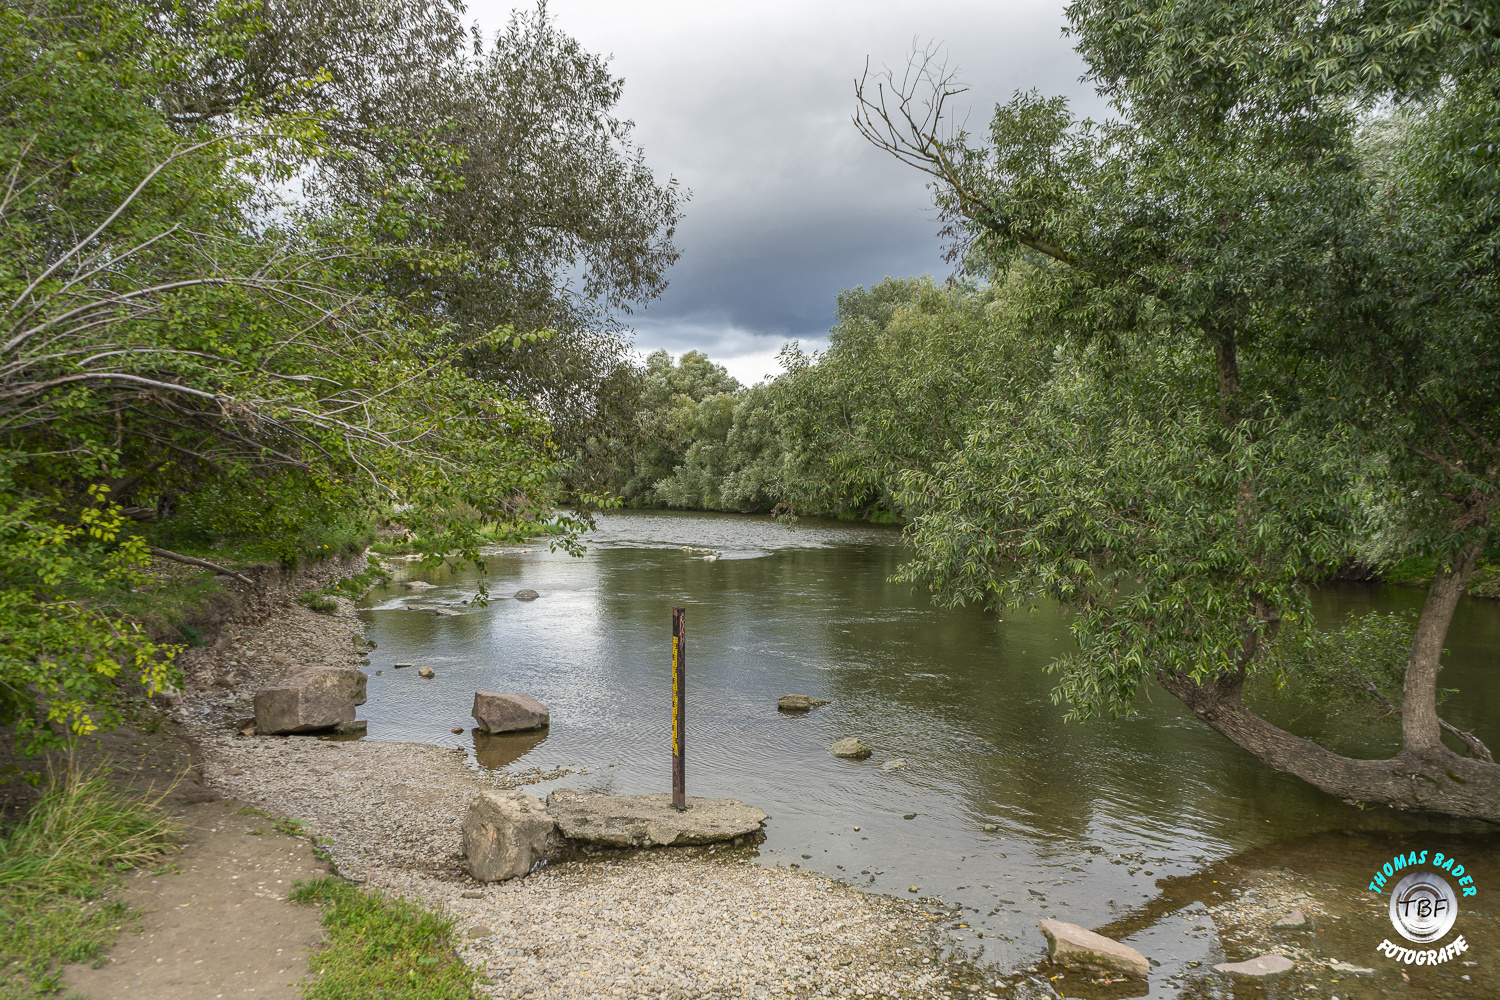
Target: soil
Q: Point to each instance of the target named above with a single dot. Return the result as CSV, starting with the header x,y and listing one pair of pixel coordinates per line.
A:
x,y
215,921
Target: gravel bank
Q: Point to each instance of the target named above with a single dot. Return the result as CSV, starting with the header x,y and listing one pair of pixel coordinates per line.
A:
x,y
692,922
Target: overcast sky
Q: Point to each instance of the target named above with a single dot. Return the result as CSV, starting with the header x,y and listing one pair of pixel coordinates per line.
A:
x,y
749,104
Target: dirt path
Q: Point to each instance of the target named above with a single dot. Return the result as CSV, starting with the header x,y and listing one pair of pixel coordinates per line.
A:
x,y
215,920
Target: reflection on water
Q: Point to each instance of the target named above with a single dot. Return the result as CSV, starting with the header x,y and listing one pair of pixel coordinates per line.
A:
x,y
1018,815
500,750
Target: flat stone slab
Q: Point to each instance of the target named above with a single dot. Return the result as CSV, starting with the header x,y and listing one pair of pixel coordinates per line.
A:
x,y
1079,947
649,820
1294,919
1262,965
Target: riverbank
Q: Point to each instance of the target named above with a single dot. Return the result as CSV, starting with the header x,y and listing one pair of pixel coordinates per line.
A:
x,y
693,922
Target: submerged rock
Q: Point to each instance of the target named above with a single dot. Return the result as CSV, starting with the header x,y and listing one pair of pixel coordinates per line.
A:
x,y
1261,965
850,747
505,834
798,703
1077,947
420,585
310,699
527,594
648,820
509,713
894,764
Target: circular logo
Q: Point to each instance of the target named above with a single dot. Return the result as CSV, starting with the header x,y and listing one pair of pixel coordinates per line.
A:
x,y
1423,907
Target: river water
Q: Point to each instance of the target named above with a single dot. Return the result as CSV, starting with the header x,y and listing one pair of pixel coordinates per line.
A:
x,y
1019,815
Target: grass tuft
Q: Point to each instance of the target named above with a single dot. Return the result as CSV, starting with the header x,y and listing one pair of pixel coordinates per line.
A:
x,y
54,864
381,946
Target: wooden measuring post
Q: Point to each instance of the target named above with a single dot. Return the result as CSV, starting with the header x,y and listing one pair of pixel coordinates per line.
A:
x,y
679,704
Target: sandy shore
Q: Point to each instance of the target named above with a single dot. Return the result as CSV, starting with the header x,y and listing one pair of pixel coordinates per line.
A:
x,y
692,922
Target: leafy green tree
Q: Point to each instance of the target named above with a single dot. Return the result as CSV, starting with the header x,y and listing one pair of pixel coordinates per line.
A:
x,y
896,390
1263,316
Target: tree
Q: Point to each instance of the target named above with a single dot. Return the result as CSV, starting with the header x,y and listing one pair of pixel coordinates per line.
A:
x,y
1265,316
159,335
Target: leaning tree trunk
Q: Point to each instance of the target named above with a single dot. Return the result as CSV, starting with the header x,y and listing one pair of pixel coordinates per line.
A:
x,y
1425,775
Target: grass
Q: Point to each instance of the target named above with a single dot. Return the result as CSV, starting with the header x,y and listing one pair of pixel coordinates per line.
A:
x,y
381,947
54,864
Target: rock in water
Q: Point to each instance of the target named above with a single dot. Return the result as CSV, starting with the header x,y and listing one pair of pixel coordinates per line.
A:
x,y
850,747
648,820
1294,919
420,585
426,672
1077,947
527,594
505,834
894,764
310,699
509,713
798,703
1262,965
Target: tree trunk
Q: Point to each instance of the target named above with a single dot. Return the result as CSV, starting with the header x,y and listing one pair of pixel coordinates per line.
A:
x,y
1420,727
1433,779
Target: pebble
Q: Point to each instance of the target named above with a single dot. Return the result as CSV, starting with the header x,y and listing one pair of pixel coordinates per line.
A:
x,y
647,923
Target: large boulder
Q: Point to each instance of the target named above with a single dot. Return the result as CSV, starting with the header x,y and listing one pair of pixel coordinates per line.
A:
x,y
649,820
505,835
1077,947
317,698
509,713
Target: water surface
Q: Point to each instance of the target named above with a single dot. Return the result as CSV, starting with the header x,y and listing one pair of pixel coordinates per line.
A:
x,y
1019,815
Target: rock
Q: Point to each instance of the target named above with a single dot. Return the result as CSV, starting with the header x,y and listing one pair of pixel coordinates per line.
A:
x,y
356,726
456,729
505,835
894,764
1076,947
527,594
445,613
310,699
850,747
398,666
648,820
1351,969
420,585
427,672
1294,919
471,895
245,727
1262,965
990,827
910,816
233,770
798,703
509,713
479,930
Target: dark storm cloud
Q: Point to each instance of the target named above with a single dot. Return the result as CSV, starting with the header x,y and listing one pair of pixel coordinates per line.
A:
x,y
749,106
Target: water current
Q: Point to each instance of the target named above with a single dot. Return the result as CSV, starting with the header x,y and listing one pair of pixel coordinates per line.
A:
x,y
1019,814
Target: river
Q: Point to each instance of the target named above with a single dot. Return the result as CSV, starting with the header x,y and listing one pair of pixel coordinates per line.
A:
x,y
1019,815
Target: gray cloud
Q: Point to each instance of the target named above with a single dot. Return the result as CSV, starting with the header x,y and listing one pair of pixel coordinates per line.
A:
x,y
749,106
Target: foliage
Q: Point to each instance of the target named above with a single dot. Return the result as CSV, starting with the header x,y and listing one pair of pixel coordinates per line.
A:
x,y
898,389
381,945
54,863
62,661
181,349
1270,282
